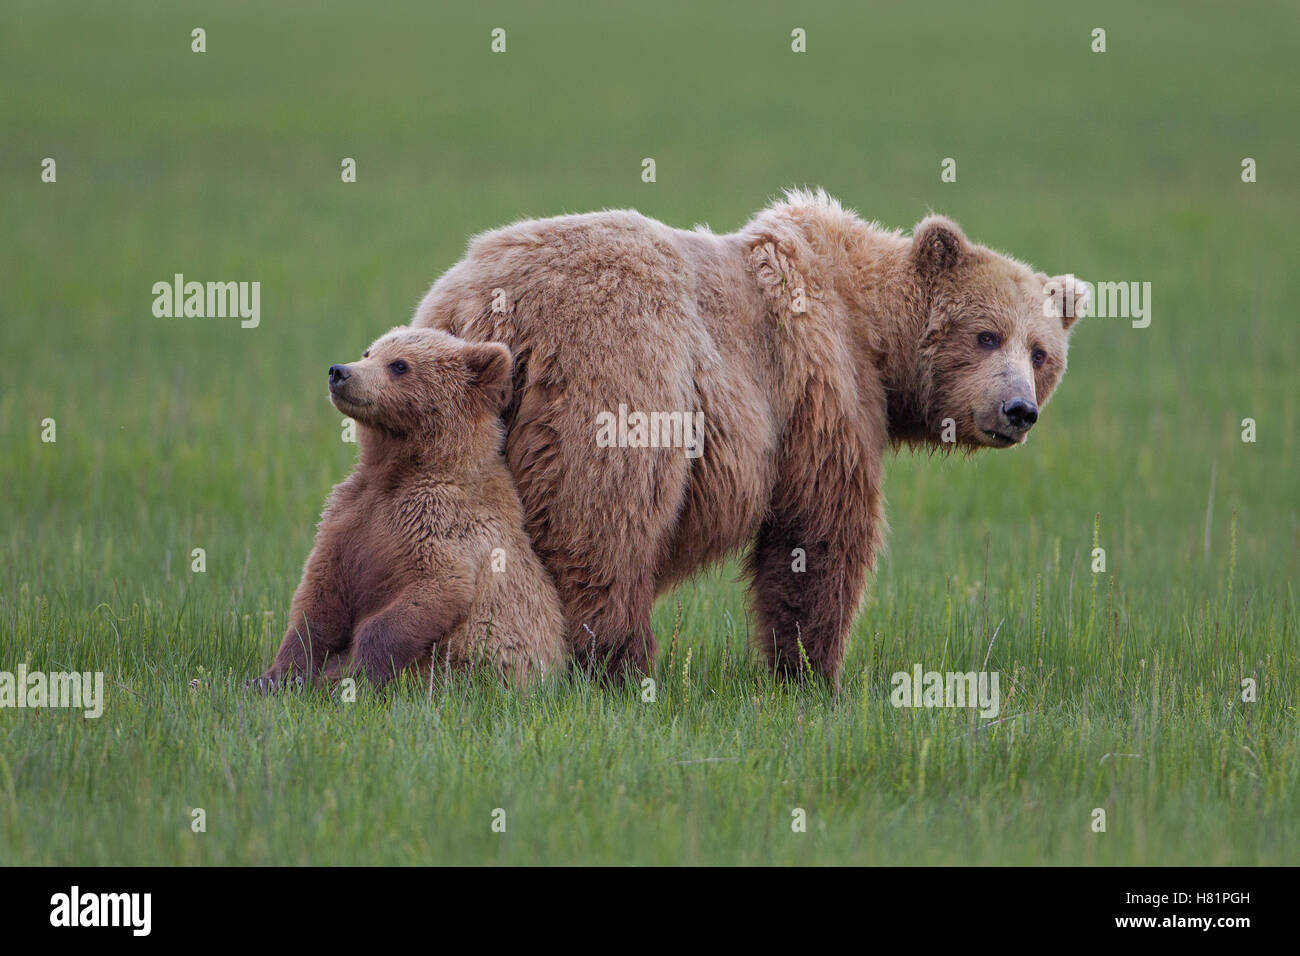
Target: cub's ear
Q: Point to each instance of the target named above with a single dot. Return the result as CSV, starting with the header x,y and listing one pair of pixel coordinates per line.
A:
x,y
1067,299
937,245
489,365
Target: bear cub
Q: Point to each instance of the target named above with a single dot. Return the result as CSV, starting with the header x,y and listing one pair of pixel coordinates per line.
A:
x,y
421,557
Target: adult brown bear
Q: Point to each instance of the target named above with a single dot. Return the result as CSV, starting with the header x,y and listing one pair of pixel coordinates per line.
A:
x,y
810,340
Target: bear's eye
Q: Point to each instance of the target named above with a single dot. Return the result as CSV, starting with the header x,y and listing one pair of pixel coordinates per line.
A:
x,y
1038,357
366,354
988,340
399,367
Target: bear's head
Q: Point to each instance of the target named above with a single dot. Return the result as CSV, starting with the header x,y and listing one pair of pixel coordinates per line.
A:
x,y
994,340
425,384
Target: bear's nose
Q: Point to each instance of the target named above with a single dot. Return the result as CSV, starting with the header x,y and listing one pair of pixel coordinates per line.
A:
x,y
339,373
1020,413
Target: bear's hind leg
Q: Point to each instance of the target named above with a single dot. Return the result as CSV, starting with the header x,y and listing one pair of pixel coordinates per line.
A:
x,y
609,628
600,519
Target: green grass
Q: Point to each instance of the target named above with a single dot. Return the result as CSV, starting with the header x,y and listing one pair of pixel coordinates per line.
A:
x,y
183,433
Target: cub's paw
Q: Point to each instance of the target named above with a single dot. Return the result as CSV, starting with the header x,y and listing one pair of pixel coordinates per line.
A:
x,y
272,683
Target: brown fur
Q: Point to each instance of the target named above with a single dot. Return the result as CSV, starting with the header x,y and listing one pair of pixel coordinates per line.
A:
x,y
811,340
403,562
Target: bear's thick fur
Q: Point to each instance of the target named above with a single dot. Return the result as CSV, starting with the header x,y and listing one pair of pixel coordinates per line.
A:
x,y
423,548
811,340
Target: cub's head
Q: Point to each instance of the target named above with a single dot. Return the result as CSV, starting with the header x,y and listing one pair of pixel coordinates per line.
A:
x,y
424,383
995,340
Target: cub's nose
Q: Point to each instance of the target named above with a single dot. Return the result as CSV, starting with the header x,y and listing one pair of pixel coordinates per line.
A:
x,y
1020,414
339,374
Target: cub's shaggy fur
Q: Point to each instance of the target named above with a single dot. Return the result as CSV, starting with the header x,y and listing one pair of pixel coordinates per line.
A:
x,y
422,549
811,340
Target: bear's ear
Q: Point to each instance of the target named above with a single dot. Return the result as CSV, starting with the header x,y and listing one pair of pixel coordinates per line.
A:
x,y
489,372
937,245
1067,299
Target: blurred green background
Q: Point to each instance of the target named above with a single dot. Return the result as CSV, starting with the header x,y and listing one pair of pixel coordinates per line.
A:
x,y
183,433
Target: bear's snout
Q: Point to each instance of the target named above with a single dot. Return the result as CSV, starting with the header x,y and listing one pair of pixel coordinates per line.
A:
x,y
338,375
1020,413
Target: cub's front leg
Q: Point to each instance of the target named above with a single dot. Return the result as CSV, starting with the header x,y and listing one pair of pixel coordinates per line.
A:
x,y
405,630
320,625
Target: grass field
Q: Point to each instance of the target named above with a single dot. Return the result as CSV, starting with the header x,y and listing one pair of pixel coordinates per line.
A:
x,y
1122,689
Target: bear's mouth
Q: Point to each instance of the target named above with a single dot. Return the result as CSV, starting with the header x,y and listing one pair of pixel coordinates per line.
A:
x,y
1002,440
344,400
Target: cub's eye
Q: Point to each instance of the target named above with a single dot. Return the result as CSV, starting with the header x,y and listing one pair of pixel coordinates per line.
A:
x,y
1038,357
399,367
366,354
988,340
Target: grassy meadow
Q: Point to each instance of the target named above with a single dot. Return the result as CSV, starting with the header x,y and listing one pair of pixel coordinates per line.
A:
x,y
1121,690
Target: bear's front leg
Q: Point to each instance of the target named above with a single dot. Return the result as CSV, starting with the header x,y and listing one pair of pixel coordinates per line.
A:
x,y
319,627
805,594
809,562
392,639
